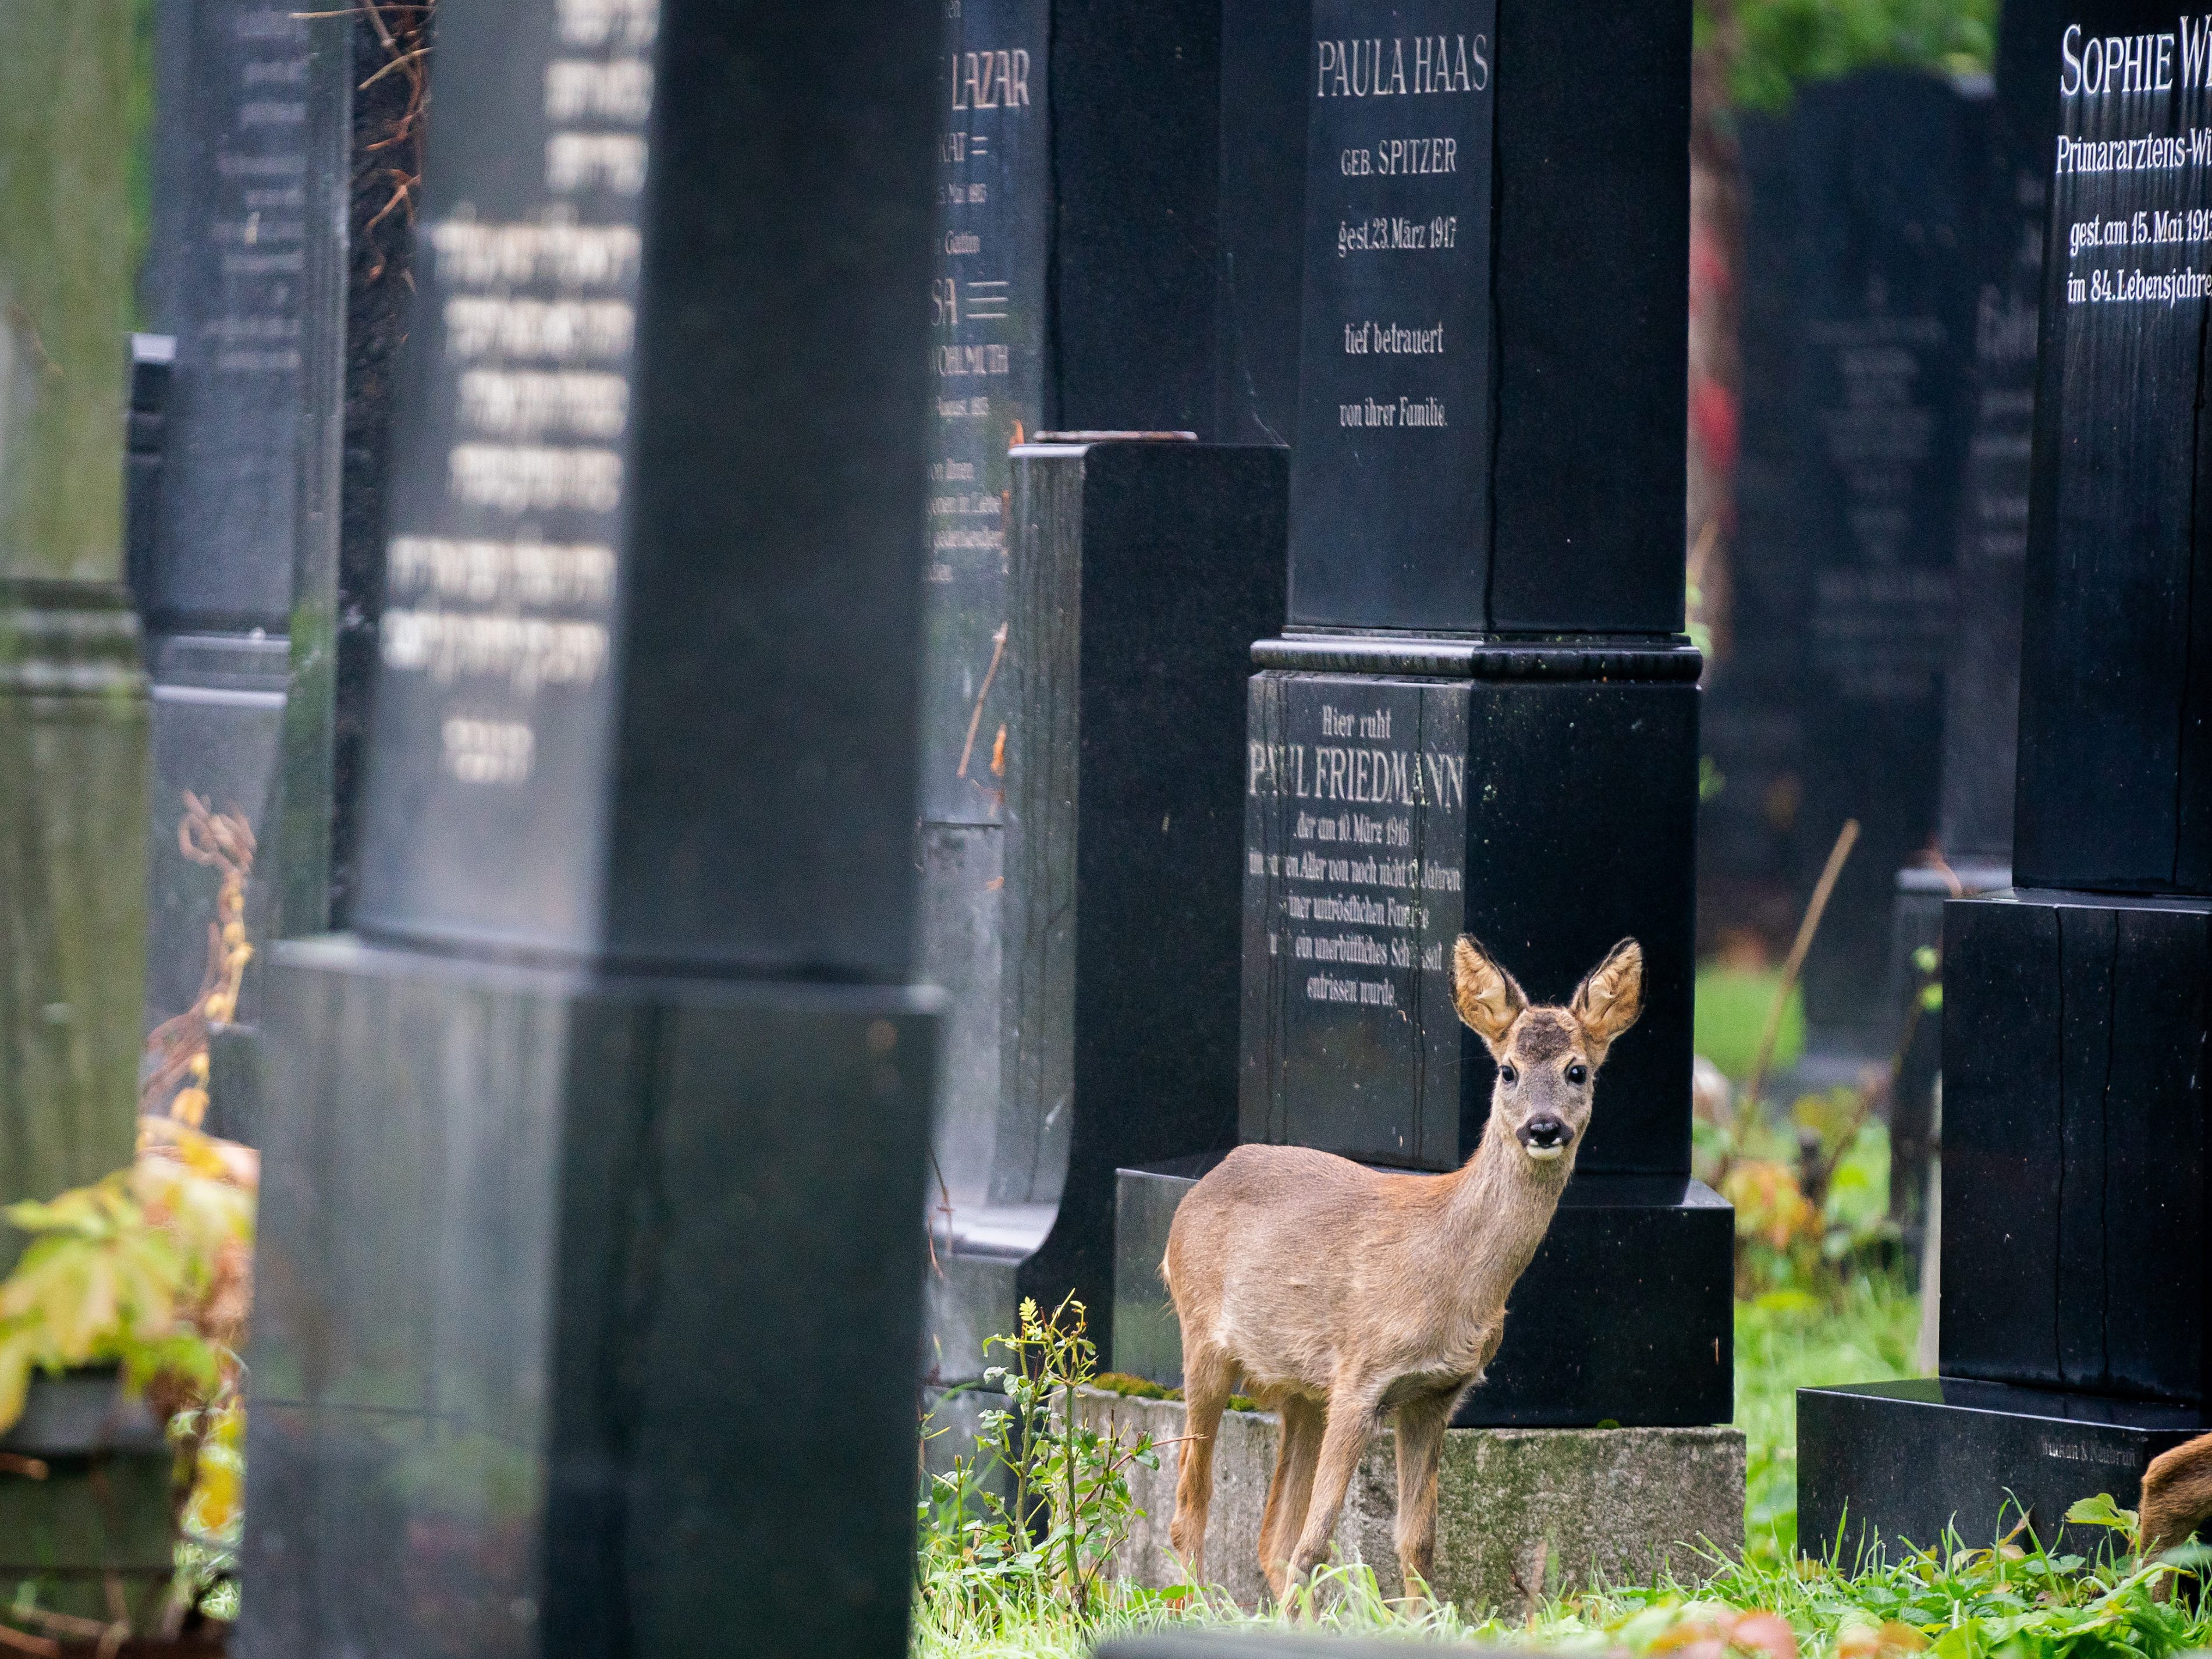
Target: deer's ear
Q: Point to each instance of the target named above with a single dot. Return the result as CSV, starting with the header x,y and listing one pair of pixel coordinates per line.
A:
x,y
1487,997
1610,997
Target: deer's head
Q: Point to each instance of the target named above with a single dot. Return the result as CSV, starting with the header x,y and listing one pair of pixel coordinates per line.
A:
x,y
1547,1056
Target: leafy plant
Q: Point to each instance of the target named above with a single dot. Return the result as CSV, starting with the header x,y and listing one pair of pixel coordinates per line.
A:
x,y
109,1279
1033,1517
150,1269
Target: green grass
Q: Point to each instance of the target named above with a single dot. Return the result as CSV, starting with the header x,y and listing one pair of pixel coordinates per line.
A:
x,y
1785,1342
1731,1014
1954,1602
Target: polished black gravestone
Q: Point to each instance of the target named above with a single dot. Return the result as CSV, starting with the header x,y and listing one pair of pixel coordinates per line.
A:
x,y
1861,270
589,1250
1495,279
1483,716
1140,573
229,278
2115,701
2076,1021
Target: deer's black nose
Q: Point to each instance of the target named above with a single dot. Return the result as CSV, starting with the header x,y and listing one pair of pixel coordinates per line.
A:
x,y
1547,1132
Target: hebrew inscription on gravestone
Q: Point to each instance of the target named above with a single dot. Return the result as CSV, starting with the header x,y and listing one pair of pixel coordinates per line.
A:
x,y
501,571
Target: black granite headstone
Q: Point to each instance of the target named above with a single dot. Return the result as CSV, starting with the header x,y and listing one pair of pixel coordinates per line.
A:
x,y
2116,706
1503,255
1861,233
593,1161
1141,571
1490,436
1074,292
2074,1312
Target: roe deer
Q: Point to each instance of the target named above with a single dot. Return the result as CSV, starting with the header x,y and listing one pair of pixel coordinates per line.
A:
x,y
1340,1295
2175,1502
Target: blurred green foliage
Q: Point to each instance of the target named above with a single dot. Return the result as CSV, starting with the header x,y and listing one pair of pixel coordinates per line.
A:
x,y
1731,1012
1778,45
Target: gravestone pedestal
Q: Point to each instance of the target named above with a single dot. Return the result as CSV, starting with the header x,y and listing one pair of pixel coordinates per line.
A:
x,y
525,1232
1522,1513
1624,1315
1907,1460
73,724
1451,786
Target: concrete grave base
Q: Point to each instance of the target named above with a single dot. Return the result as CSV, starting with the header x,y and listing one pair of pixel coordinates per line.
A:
x,y
1521,1511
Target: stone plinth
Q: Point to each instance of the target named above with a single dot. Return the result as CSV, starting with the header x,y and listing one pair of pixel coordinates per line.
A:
x,y
1521,1511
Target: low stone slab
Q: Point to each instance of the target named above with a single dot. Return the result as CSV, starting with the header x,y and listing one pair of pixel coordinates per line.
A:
x,y
1520,1512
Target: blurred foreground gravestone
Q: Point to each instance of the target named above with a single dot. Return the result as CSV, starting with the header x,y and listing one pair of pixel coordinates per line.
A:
x,y
73,709
1468,468
609,1120
2076,1316
1858,333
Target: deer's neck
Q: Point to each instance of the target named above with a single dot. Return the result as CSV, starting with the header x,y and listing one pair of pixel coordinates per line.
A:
x,y
1504,1203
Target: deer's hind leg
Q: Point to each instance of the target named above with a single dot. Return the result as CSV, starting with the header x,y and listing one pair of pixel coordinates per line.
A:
x,y
1207,1374
1421,1425
1291,1491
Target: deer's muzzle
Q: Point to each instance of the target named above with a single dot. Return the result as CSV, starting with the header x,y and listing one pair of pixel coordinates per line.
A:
x,y
1544,1137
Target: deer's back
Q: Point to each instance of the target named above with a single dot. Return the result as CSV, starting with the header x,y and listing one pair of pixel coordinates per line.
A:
x,y
1274,1252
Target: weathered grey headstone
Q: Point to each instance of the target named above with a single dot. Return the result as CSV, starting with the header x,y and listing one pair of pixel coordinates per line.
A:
x,y
1860,280
73,713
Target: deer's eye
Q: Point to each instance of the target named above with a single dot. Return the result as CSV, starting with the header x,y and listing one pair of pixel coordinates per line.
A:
x,y
1508,1074
1577,1073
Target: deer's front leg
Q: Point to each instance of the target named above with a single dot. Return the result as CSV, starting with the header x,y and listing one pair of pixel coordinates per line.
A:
x,y
1421,1425
1351,1420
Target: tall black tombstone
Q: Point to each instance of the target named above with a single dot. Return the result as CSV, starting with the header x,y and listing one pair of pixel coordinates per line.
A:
x,y
594,1164
1860,248
240,143
1073,300
2077,1322
1483,714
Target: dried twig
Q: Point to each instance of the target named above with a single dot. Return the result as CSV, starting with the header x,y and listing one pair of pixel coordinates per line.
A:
x,y
1846,839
